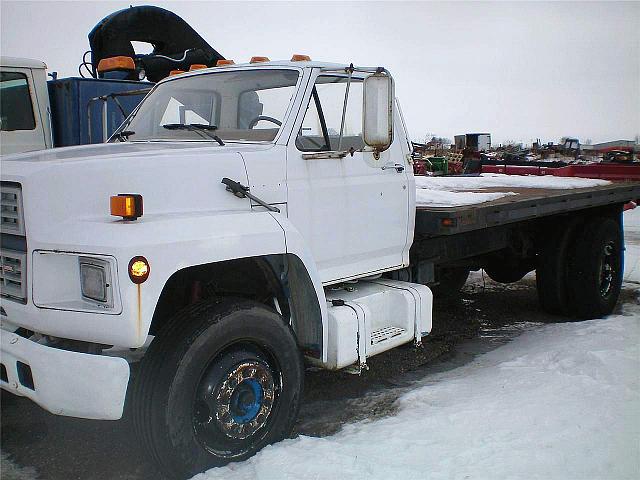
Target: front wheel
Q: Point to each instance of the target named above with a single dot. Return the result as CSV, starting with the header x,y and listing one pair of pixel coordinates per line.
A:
x,y
219,383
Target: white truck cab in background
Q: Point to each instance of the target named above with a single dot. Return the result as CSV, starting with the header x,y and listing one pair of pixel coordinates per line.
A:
x,y
25,123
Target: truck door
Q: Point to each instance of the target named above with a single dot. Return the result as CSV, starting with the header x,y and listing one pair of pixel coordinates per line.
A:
x,y
352,211
20,122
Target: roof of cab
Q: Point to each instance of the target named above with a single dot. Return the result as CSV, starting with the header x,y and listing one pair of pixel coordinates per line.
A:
x,y
21,62
274,63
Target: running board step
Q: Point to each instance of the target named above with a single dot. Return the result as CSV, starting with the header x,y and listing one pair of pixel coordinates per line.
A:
x,y
385,333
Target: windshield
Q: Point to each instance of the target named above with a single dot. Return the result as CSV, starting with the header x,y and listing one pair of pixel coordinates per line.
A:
x,y
245,105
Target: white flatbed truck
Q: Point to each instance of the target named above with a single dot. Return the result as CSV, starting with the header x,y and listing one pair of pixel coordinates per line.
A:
x,y
243,221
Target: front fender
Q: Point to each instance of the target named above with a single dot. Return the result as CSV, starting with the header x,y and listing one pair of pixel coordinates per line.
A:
x,y
296,245
178,243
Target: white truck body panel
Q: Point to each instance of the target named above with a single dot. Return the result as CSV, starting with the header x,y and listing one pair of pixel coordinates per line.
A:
x,y
67,383
40,136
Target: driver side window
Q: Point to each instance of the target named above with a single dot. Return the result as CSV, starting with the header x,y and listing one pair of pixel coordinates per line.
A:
x,y
320,129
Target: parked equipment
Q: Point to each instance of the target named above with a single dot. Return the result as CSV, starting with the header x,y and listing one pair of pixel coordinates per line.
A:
x,y
37,114
176,46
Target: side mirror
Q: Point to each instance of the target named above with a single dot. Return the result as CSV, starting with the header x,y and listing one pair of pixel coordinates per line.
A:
x,y
377,122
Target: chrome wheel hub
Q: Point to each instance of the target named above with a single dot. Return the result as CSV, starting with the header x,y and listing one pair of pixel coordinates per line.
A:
x,y
244,400
607,270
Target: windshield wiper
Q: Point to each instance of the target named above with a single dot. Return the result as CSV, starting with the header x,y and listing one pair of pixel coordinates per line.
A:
x,y
201,129
124,135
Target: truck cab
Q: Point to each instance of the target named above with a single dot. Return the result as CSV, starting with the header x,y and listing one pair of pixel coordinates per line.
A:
x,y
25,123
274,195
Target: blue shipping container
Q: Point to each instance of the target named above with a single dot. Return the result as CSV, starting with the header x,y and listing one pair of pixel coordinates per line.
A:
x,y
71,108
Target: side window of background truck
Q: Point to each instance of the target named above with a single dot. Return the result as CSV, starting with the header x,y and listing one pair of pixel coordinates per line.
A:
x,y
321,126
16,110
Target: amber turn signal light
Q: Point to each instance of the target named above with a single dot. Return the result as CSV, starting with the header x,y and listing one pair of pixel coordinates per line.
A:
x,y
126,205
139,269
116,63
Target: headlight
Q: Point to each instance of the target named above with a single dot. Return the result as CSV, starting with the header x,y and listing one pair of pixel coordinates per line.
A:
x,y
78,283
95,275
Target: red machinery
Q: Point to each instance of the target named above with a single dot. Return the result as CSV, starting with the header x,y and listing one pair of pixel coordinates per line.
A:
x,y
605,171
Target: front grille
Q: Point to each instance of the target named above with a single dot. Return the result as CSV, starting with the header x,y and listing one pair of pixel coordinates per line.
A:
x,y
13,257
13,275
11,216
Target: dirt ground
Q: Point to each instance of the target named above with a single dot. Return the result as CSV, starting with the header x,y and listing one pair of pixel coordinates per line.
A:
x,y
485,316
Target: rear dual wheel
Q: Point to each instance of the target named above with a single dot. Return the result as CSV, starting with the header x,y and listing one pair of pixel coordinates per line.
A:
x,y
596,269
219,382
580,269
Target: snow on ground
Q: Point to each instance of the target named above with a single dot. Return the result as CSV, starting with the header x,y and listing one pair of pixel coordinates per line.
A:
x,y
11,471
558,402
463,190
632,245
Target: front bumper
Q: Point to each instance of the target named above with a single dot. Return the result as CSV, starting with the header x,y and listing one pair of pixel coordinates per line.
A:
x,y
64,382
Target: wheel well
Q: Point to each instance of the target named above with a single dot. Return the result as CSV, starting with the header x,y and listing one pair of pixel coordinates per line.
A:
x,y
262,279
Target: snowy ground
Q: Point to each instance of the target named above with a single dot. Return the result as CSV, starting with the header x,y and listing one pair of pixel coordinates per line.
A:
x,y
559,402
632,245
467,190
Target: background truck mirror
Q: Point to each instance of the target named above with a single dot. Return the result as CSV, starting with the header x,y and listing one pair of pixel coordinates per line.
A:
x,y
377,125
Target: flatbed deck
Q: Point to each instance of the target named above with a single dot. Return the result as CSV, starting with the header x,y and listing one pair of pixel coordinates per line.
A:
x,y
528,203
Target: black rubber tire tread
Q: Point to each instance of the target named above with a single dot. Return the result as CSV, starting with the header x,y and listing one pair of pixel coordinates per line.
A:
x,y
551,270
154,378
584,298
450,281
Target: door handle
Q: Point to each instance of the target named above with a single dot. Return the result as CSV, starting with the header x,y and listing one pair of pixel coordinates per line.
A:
x,y
399,168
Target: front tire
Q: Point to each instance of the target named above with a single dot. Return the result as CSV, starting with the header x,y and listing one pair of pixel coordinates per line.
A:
x,y
220,382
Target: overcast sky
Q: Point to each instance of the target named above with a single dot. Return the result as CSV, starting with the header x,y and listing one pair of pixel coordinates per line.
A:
x,y
517,70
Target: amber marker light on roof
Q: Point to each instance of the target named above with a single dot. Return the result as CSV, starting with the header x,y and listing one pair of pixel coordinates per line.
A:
x,y
300,58
126,205
175,72
197,66
222,63
259,59
116,63
139,269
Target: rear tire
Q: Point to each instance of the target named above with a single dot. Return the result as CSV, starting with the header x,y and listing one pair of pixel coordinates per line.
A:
x,y
220,382
595,269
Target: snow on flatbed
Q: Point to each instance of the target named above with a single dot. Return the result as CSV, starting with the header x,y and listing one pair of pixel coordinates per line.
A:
x,y
486,187
561,401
